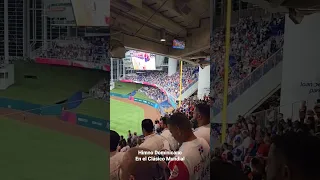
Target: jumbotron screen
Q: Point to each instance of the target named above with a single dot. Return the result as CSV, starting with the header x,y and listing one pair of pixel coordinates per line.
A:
x,y
143,61
176,44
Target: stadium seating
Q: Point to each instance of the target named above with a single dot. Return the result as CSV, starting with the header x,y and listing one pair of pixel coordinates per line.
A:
x,y
100,90
91,49
252,43
169,83
153,93
251,136
158,132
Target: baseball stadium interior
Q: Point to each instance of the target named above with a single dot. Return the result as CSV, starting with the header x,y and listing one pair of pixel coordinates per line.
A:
x,y
159,89
166,53
54,78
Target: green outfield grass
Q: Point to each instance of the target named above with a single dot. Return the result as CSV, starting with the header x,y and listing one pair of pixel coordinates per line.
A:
x,y
54,83
125,117
125,88
144,97
95,108
29,152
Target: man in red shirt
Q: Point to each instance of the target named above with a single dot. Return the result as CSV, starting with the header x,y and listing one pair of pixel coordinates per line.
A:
x,y
263,149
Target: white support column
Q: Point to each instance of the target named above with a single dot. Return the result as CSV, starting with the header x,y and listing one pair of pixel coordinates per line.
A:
x,y
124,69
45,28
25,28
172,66
204,82
111,69
118,69
6,32
300,73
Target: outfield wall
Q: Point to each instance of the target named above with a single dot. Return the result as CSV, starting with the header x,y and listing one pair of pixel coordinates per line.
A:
x,y
85,121
57,110
152,104
30,107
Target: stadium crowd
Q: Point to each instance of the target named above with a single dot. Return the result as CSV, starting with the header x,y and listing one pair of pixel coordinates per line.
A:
x,y
275,149
91,49
169,83
175,137
100,90
253,150
153,93
248,144
252,43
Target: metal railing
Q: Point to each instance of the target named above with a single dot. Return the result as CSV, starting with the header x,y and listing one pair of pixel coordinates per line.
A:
x,y
265,116
247,82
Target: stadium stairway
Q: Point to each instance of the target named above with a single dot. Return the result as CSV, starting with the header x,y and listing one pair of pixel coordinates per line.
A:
x,y
189,91
253,90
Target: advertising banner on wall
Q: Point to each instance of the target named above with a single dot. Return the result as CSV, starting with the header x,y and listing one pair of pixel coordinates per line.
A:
x,y
65,62
91,12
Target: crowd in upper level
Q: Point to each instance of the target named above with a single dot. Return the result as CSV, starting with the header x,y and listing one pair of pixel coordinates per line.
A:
x,y
90,49
153,93
169,83
253,41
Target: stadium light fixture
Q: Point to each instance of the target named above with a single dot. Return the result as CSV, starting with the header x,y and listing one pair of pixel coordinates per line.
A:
x,y
162,35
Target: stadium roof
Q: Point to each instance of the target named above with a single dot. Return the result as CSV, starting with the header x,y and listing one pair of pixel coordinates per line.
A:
x,y
139,24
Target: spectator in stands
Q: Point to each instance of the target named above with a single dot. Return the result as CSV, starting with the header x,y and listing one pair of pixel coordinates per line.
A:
x,y
238,152
294,156
246,141
153,93
140,170
129,134
257,169
115,156
126,146
134,137
174,145
90,49
157,126
152,141
202,115
194,150
252,42
169,83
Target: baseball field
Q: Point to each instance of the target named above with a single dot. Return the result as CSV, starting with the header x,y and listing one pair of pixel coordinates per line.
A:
x,y
126,114
37,147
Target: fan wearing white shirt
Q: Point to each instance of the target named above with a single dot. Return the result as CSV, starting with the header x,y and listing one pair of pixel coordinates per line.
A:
x,y
194,150
115,156
152,141
201,114
246,141
174,145
130,169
